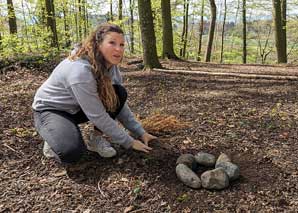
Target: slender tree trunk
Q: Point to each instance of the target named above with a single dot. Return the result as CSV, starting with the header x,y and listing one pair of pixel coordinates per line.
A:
x,y
284,25
80,19
131,7
185,29
211,31
86,17
201,30
66,26
223,31
1,47
280,44
12,20
51,22
111,11
148,35
244,46
120,7
76,22
84,6
167,31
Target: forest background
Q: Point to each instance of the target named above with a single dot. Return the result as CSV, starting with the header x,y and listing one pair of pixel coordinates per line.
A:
x,y
244,31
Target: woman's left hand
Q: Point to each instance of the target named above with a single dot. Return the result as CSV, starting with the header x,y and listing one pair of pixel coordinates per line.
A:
x,y
146,137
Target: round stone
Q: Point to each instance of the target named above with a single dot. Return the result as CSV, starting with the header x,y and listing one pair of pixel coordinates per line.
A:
x,y
187,176
223,158
215,179
231,169
188,160
205,159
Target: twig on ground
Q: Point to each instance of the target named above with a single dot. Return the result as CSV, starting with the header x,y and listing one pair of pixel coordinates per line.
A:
x,y
101,192
139,210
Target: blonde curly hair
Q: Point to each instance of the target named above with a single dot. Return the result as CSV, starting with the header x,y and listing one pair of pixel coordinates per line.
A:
x,y
90,49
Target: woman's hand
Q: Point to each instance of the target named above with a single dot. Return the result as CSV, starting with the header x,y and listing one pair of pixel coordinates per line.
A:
x,y
146,137
138,145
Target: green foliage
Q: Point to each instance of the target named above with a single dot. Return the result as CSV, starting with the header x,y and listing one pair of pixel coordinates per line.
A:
x,y
34,37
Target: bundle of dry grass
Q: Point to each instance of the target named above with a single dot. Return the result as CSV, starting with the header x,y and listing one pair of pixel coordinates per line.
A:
x,y
158,123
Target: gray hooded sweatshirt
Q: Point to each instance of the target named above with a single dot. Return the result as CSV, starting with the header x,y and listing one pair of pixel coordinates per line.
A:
x,y
72,87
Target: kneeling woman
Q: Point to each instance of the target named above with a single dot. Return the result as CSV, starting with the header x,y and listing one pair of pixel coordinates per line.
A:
x,y
87,87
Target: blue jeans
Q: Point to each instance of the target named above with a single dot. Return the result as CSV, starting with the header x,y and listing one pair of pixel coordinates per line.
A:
x,y
61,131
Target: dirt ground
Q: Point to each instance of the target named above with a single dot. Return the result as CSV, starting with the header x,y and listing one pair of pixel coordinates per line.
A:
x,y
253,120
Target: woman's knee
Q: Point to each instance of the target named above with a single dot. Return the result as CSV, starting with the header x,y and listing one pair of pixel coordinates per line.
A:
x,y
71,154
62,135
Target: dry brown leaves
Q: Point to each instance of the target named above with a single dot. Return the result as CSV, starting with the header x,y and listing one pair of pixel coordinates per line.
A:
x,y
158,123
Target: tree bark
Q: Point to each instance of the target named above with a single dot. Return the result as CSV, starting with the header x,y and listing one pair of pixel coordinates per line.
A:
x,y
12,20
211,31
51,22
79,14
201,30
185,29
111,11
148,35
223,31
244,46
167,31
279,24
120,10
131,7
66,26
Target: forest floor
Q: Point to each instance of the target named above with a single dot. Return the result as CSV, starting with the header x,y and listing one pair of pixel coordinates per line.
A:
x,y
254,120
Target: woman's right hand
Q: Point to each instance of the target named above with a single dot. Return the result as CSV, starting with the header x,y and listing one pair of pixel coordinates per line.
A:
x,y
138,145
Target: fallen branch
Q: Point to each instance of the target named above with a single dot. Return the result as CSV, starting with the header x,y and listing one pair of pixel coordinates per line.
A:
x,y
240,75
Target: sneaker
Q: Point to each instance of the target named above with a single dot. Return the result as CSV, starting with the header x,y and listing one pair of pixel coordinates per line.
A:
x,y
101,146
47,151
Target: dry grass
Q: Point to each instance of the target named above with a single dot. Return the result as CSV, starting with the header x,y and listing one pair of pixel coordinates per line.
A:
x,y
158,123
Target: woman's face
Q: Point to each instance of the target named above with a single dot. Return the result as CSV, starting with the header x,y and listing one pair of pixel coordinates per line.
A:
x,y
112,48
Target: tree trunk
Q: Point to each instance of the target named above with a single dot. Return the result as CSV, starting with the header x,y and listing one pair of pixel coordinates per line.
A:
x,y
12,20
120,10
167,31
280,41
66,26
79,14
1,47
51,22
223,31
111,11
148,35
244,47
284,25
131,7
84,6
211,31
201,30
185,29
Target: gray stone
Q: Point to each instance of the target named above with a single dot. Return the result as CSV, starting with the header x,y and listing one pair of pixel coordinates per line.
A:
x,y
215,179
231,169
205,159
223,158
187,176
188,160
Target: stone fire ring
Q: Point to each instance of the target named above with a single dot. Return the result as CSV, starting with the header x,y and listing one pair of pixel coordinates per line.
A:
x,y
223,172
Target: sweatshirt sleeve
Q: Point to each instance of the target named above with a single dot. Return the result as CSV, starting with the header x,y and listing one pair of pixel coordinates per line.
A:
x,y
87,97
128,120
